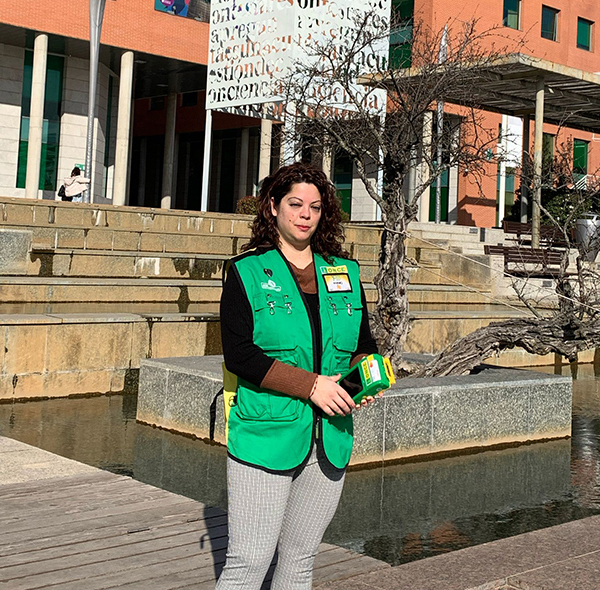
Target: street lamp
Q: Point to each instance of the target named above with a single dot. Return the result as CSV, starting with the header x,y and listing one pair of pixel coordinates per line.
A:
x,y
96,16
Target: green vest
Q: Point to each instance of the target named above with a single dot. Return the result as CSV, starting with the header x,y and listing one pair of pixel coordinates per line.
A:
x,y
271,429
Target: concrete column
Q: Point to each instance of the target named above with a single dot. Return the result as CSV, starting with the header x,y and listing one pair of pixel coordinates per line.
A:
x,y
288,145
423,171
123,128
503,149
36,116
327,160
537,163
525,171
243,180
169,152
264,160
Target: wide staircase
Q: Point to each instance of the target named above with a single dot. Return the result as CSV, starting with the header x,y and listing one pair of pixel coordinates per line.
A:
x,y
97,287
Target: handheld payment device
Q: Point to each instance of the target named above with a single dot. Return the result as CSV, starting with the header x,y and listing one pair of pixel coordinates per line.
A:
x,y
368,377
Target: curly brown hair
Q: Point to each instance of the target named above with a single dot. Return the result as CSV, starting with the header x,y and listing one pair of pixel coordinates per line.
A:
x,y
329,236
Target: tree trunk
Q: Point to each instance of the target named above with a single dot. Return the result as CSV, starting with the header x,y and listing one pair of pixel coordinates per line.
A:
x,y
560,334
391,317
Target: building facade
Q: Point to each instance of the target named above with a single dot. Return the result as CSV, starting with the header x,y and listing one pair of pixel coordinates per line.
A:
x,y
563,32
150,117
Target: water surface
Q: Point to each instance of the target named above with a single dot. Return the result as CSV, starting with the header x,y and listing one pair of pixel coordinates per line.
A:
x,y
397,513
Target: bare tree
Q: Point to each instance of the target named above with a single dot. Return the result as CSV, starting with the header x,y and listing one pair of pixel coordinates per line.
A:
x,y
396,138
572,325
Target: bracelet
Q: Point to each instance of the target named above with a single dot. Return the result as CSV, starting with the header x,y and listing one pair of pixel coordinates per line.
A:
x,y
314,387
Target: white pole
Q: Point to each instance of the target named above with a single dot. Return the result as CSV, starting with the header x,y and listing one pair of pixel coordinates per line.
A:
x,y
525,167
206,160
96,16
442,56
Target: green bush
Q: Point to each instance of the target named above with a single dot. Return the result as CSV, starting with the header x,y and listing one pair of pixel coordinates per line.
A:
x,y
247,205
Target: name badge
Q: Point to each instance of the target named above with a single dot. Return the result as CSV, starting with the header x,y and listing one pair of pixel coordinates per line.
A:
x,y
337,283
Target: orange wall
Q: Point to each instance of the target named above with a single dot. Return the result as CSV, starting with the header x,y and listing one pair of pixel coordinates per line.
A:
x,y
128,24
477,198
436,13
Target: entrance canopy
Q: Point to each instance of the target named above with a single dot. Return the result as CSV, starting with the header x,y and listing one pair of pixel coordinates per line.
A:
x,y
522,86
508,85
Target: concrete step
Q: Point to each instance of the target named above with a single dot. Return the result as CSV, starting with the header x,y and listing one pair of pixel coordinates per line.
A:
x,y
151,295
25,212
15,212
125,264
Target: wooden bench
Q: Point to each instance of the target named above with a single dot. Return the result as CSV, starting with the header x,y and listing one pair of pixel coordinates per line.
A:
x,y
526,261
549,235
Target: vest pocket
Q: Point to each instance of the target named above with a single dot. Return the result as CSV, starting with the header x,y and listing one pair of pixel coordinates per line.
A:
x,y
345,326
282,406
276,318
341,358
252,403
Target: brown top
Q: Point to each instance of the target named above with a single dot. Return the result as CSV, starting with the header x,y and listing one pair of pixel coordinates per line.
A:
x,y
293,380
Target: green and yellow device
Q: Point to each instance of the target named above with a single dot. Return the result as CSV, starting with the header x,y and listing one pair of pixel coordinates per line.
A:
x,y
368,377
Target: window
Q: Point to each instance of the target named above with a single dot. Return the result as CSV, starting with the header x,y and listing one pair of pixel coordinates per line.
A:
x,y
342,179
584,34
512,14
580,159
509,194
400,54
549,23
51,124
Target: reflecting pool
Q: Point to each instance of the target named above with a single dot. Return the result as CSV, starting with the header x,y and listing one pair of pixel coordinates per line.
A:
x,y
397,513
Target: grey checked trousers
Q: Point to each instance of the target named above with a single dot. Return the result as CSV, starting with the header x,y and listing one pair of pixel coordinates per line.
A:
x,y
287,512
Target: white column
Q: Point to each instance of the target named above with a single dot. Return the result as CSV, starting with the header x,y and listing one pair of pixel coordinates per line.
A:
x,y
264,161
537,163
123,128
206,161
289,135
243,180
327,160
502,149
169,152
36,117
422,177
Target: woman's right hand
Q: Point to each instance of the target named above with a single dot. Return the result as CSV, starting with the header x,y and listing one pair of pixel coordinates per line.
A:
x,y
330,397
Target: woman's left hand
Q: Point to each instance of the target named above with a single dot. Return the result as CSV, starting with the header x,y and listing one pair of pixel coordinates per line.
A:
x,y
368,400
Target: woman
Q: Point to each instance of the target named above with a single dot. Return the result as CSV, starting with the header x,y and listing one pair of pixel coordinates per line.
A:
x,y
75,185
293,318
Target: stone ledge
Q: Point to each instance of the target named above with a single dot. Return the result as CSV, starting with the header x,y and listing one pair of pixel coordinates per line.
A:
x,y
416,417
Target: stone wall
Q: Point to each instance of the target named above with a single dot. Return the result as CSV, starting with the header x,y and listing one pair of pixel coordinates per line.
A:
x,y
496,406
65,354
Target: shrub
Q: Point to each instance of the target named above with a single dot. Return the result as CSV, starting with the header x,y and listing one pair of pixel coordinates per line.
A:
x,y
247,205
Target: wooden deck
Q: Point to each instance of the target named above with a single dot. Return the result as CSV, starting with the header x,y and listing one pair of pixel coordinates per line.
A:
x,y
97,530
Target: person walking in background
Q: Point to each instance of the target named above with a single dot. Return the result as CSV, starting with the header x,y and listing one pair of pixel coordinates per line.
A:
x,y
293,319
74,186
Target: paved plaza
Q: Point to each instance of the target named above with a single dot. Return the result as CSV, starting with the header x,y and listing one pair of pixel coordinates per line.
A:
x,y
71,526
